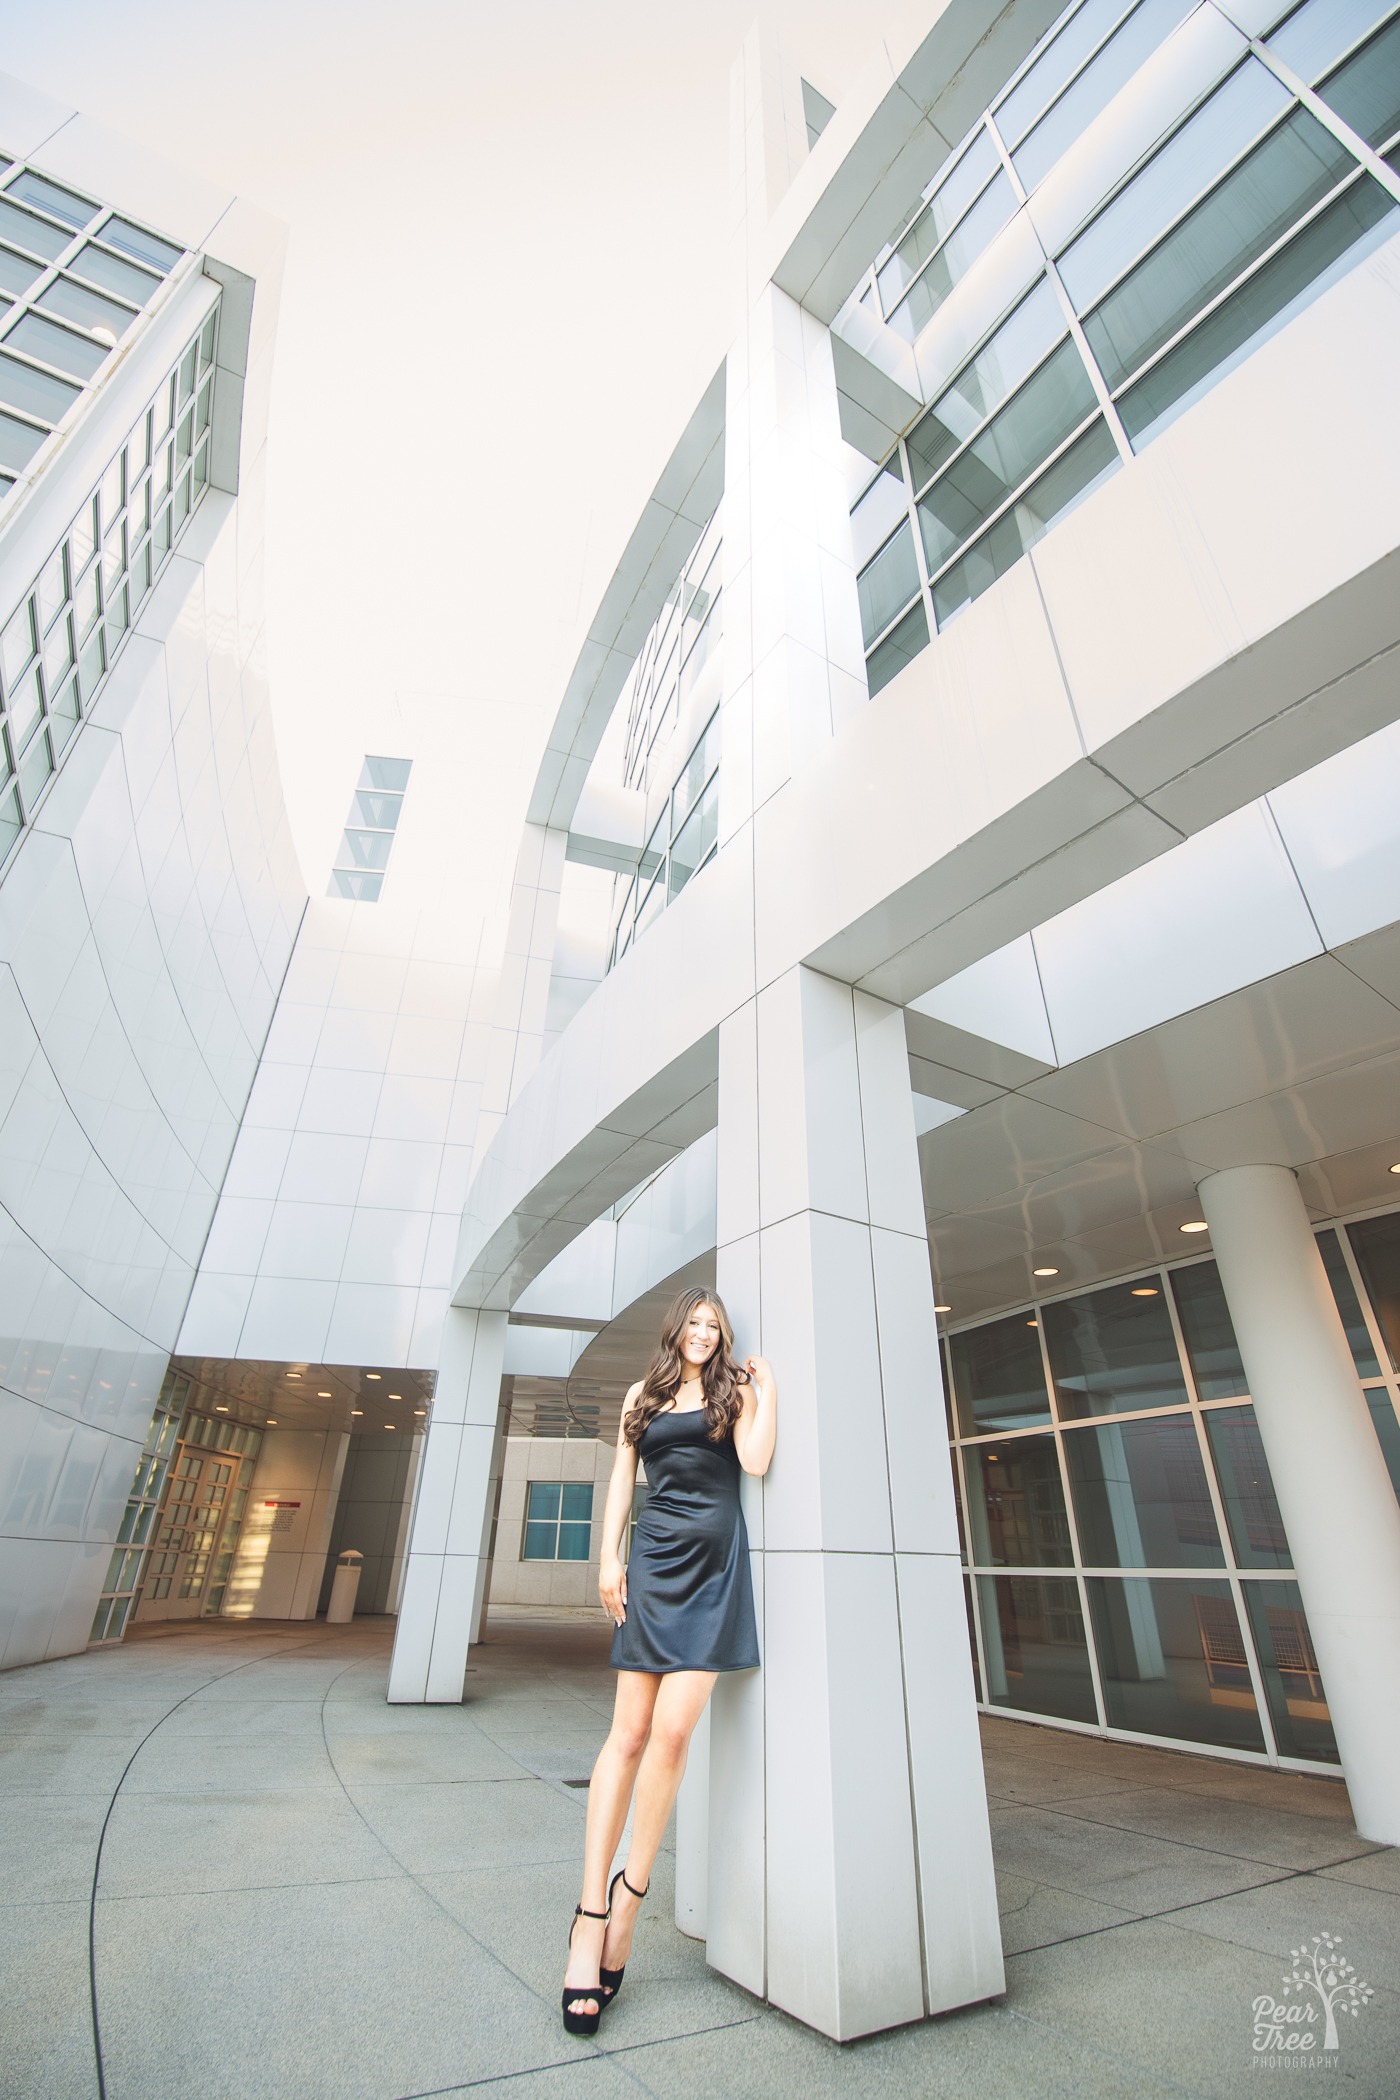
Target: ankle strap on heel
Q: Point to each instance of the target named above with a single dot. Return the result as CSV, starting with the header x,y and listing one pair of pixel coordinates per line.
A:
x,y
638,1893
580,1912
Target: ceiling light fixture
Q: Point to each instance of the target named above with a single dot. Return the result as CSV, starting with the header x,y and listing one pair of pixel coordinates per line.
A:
x,y
1144,1291
396,1396
1045,1272
388,1425
357,1410
420,1410
1396,1168
219,1409
294,1374
324,1396
374,1374
1194,1225
943,1308
1032,1323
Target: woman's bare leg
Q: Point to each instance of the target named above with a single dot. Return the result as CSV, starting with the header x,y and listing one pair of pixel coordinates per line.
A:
x,y
676,1707
609,1792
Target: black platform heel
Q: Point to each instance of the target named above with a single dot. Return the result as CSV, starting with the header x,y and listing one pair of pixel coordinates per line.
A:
x,y
610,1980
585,2022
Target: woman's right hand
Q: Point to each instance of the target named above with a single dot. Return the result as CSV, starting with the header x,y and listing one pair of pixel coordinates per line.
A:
x,y
612,1588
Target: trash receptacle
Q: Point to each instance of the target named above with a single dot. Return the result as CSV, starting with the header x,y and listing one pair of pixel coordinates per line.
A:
x,y
341,1608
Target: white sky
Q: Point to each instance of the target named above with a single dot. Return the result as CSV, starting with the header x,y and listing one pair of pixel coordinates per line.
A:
x,y
505,291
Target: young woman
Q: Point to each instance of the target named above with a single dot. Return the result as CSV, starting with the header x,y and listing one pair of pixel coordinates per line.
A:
x,y
683,1611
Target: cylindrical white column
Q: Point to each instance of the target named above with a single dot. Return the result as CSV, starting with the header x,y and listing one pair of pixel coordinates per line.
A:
x,y
1335,1496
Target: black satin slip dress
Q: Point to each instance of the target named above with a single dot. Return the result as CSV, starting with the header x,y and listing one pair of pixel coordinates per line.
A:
x,y
689,1593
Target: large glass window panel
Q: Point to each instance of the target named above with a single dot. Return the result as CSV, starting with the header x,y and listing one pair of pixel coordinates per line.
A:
x,y
1172,1660
942,212
36,235
17,272
1348,1305
1365,92
380,811
1075,474
1033,424
1256,203
59,203
356,883
389,773
879,510
702,649
74,302
1247,1488
34,393
1292,1680
1204,146
1209,1331
25,705
1292,276
900,646
695,772
1141,1499
144,247
1148,26
696,839
1056,65
1111,1351
972,1638
887,586
998,1376
1376,1244
366,849
18,443
35,768
18,644
113,275
1316,34
1387,1430
1016,1504
968,240
1033,1641
983,384
9,816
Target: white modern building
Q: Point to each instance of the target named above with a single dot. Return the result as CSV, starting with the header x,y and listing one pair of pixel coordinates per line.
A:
x,y
958,913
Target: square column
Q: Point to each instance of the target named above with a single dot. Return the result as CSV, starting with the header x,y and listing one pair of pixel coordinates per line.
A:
x,y
850,1876
450,1538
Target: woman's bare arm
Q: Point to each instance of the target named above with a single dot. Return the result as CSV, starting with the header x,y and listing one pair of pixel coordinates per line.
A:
x,y
612,1576
757,1427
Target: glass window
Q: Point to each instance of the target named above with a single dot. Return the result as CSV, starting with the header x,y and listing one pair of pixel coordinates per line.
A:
x,y
35,768
1348,1305
1190,161
1365,92
1292,1680
938,217
357,884
1017,1504
25,706
702,649
558,1520
972,1639
1140,1496
1303,268
983,384
998,1377
18,443
380,811
696,771
1256,203
365,849
1209,1331
696,840
879,510
1110,1351
18,644
58,651
34,393
135,241
1033,1641
1034,423
17,272
1148,26
1058,62
886,587
995,206
35,235
113,275
1247,1488
900,646
9,818
74,302
389,773
1173,1661
1376,1244
47,196
1387,1432
1075,474
1321,31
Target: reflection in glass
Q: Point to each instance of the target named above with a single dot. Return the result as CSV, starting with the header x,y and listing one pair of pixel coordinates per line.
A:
x,y
888,584
695,841
1316,34
1292,1680
1057,63
34,393
18,443
879,510
1172,1660
47,196
389,773
972,1638
1348,1305
947,205
1209,1331
1387,1432
1148,26
1033,1641
1111,1351
17,272
983,384
114,275
74,302
1365,92
145,247
998,1377
1075,474
35,235
1376,1244
1140,1496
365,849
379,811
1247,1489
900,646
995,206
1016,1504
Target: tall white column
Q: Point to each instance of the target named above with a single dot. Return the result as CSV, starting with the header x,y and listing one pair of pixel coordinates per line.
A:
x,y
452,1515
850,1875
1335,1496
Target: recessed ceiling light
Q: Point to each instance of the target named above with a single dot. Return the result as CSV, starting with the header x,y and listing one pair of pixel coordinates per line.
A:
x,y
294,1374
992,1458
1396,1168
943,1308
1144,1291
420,1410
357,1410
1045,1272
374,1374
388,1425
1032,1323
324,1396
1194,1225
396,1396
272,1421
220,1410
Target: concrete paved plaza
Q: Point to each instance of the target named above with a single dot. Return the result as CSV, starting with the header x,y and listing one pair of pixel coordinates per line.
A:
x,y
257,1881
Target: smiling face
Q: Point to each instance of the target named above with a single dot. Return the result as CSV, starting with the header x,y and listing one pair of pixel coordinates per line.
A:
x,y
700,1337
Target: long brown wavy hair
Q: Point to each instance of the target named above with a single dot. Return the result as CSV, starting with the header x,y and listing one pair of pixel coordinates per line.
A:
x,y
722,1377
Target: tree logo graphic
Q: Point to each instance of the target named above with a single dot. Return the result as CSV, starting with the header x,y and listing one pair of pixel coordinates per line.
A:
x,y
1326,1984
